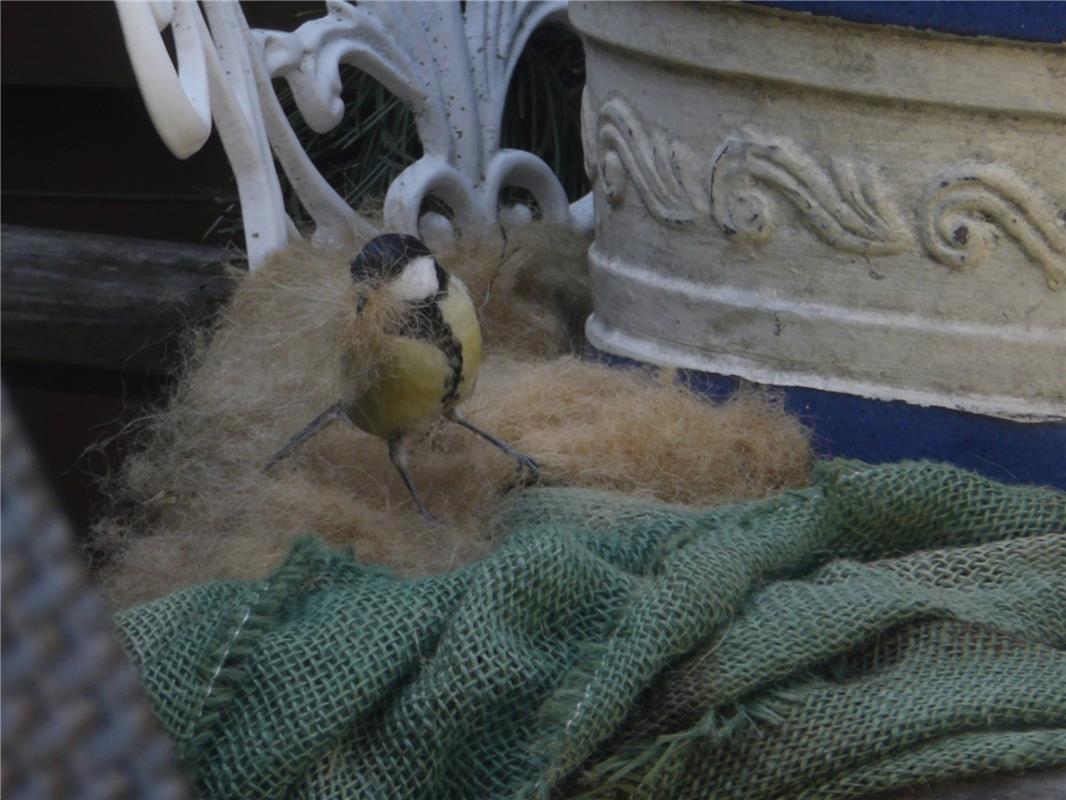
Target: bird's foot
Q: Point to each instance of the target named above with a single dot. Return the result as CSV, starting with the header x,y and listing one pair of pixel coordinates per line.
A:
x,y
431,522
529,468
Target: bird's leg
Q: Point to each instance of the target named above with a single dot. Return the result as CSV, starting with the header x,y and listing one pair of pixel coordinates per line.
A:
x,y
524,461
334,412
398,457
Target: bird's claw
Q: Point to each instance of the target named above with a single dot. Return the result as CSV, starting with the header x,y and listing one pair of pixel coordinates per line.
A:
x,y
528,465
432,522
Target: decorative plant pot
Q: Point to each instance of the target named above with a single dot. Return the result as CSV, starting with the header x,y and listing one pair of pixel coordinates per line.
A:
x,y
799,201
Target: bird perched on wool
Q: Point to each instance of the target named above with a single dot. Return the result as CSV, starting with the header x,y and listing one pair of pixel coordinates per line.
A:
x,y
430,359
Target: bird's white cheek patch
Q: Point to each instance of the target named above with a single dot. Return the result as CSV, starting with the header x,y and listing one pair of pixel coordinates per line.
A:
x,y
418,281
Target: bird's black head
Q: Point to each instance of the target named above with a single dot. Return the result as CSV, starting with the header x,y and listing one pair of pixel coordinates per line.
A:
x,y
403,265
384,257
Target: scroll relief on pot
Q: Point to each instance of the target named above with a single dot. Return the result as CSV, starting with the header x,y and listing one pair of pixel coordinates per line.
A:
x,y
963,212
766,254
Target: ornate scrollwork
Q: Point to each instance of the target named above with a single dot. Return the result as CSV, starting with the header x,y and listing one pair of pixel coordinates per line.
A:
x,y
453,68
961,214
845,205
452,63
660,168
966,206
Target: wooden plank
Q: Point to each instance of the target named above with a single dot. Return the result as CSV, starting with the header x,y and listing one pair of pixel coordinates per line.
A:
x,y
86,300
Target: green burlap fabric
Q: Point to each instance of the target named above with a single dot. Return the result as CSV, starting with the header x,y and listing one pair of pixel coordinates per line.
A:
x,y
887,626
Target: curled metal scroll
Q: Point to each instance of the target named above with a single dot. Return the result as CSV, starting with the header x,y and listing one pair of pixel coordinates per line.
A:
x,y
450,62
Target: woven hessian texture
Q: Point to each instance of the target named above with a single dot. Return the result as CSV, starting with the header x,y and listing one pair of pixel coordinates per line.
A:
x,y
889,625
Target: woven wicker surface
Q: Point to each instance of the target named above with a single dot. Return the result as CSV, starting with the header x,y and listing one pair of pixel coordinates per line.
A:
x,y
75,721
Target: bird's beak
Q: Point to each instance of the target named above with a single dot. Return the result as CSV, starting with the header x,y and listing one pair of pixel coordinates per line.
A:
x,y
359,303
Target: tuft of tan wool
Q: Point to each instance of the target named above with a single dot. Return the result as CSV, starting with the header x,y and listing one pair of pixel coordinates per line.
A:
x,y
191,503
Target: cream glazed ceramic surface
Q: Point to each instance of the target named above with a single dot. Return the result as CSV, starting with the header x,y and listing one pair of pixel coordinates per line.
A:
x,y
801,201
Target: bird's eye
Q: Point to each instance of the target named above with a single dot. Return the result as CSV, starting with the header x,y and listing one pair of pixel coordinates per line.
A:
x,y
362,270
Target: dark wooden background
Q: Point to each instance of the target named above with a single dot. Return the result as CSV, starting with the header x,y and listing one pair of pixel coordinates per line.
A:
x,y
78,153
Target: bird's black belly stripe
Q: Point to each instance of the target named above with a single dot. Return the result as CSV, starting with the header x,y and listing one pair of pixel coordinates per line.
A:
x,y
427,324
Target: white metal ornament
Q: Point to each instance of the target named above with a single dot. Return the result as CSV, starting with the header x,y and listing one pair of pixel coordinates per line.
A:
x,y
451,65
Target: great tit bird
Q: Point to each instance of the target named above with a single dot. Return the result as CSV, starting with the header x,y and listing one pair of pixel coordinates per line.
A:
x,y
430,363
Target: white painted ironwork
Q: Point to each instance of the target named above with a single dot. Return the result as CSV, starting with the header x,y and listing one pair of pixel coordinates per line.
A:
x,y
451,64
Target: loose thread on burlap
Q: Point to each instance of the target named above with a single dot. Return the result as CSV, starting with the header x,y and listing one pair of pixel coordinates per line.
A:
x,y
226,651
222,660
255,612
579,707
542,787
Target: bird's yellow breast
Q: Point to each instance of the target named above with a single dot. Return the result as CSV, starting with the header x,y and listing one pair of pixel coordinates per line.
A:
x,y
459,313
415,374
